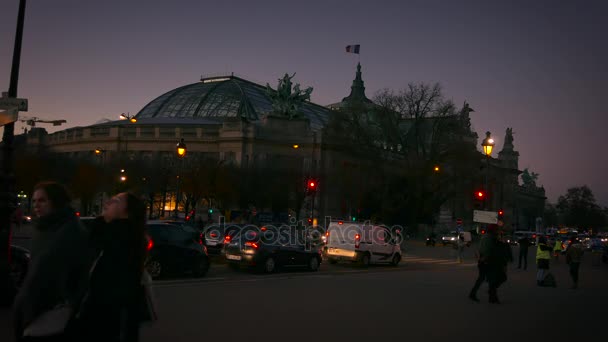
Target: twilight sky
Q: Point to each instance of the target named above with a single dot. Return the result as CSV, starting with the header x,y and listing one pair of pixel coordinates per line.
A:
x,y
539,67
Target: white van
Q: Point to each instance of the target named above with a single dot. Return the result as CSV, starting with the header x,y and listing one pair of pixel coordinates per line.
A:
x,y
363,243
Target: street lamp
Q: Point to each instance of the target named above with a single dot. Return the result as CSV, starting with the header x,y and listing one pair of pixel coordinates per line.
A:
x,y
102,154
436,168
7,179
181,153
131,118
488,146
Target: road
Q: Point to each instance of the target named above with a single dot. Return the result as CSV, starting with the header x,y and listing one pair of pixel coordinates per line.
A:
x,y
424,299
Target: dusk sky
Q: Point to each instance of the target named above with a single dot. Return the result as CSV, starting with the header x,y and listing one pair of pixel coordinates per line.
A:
x,y
540,67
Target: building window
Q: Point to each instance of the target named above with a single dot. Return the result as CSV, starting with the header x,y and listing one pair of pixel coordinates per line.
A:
x,y
167,132
147,132
100,131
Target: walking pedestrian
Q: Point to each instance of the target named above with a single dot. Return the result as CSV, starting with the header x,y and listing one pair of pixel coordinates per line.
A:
x,y
487,247
58,269
114,305
574,255
557,249
542,260
524,243
497,273
461,245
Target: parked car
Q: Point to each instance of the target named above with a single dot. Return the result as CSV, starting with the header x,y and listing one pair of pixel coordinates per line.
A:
x,y
269,249
175,250
19,265
361,243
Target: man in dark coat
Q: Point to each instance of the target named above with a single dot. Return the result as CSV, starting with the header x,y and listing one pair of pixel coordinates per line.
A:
x,y
524,243
58,269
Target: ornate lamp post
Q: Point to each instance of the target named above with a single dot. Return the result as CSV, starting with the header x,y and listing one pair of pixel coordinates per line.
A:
x,y
181,153
488,146
101,153
125,128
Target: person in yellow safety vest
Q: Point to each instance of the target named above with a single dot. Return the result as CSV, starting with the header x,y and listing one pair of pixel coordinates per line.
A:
x,y
557,249
543,255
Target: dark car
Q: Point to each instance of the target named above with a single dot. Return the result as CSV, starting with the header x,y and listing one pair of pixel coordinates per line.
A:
x,y
269,249
20,262
174,250
216,235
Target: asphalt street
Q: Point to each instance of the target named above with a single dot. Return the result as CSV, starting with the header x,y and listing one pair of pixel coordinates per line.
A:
x,y
423,299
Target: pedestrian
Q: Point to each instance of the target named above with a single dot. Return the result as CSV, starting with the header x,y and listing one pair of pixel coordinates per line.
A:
x,y
574,255
542,260
113,309
497,272
57,272
524,243
487,248
460,244
557,248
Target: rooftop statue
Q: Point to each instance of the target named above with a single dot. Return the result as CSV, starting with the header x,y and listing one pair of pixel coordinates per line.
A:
x,y
286,102
529,179
509,137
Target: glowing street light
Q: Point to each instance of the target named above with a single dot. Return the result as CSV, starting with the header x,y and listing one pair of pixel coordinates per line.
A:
x,y
131,118
181,148
488,145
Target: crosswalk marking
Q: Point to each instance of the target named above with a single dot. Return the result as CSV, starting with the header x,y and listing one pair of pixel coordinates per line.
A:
x,y
416,259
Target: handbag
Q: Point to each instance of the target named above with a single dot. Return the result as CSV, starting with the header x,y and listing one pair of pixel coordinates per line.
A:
x,y
50,323
55,321
149,313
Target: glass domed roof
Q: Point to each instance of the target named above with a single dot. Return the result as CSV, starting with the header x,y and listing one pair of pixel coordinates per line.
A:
x,y
223,97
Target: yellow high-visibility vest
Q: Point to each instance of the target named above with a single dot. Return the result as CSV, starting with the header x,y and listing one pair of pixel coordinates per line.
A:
x,y
558,245
540,254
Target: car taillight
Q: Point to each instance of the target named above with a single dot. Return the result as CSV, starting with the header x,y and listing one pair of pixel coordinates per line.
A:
x,y
227,239
150,244
251,244
357,240
200,239
213,235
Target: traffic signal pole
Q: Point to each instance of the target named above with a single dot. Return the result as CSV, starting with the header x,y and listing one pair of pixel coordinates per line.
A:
x,y
8,199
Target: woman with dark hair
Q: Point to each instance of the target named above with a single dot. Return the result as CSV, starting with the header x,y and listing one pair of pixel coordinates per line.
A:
x,y
112,310
58,269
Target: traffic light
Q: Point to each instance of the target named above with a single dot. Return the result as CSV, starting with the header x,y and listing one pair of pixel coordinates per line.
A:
x,y
501,214
479,198
311,185
354,219
210,211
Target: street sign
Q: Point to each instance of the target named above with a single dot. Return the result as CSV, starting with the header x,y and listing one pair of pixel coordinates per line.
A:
x,y
9,115
8,102
483,216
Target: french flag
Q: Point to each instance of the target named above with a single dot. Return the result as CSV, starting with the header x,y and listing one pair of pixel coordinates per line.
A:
x,y
353,48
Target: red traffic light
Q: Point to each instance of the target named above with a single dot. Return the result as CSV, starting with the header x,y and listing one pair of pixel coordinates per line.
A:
x,y
480,195
311,184
501,213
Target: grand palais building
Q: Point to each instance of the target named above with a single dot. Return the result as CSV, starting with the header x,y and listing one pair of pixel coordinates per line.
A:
x,y
228,120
